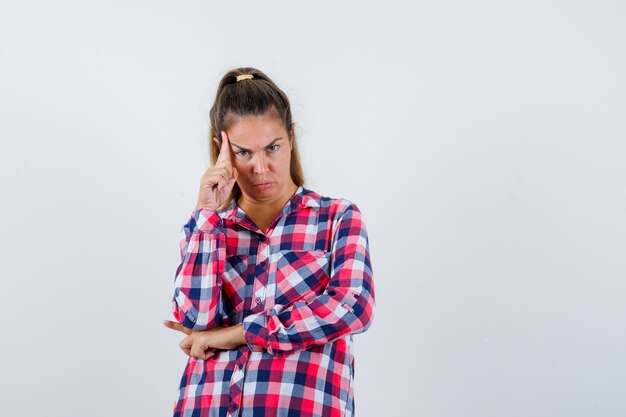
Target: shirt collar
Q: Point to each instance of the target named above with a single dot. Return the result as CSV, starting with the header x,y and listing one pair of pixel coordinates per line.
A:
x,y
302,198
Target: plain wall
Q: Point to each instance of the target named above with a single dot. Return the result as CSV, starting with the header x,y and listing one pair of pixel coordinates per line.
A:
x,y
484,142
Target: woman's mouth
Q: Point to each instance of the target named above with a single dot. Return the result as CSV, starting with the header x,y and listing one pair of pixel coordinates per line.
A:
x,y
263,185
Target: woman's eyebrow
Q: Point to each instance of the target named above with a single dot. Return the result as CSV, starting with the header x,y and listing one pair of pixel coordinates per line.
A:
x,y
241,148
272,142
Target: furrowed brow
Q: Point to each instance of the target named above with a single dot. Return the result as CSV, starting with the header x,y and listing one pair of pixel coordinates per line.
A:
x,y
272,142
241,148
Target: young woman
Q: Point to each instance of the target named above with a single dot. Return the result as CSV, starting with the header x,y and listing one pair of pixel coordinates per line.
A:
x,y
274,279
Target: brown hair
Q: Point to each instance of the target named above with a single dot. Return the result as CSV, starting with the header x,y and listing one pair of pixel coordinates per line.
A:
x,y
256,96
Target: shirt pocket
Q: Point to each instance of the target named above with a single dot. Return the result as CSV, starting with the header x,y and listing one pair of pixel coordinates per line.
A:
x,y
301,275
234,284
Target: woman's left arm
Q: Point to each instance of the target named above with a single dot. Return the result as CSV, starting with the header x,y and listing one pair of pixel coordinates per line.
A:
x,y
345,307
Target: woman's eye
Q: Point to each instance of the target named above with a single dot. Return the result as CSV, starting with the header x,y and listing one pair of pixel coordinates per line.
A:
x,y
242,153
273,148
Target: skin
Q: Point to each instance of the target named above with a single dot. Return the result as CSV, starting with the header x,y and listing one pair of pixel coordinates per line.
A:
x,y
255,152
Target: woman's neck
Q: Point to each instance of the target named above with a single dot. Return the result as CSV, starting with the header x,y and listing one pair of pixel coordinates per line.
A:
x,y
263,212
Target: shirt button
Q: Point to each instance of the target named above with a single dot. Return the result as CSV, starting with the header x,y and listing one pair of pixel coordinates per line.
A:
x,y
258,300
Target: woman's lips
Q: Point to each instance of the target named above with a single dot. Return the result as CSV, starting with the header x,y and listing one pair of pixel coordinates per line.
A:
x,y
263,185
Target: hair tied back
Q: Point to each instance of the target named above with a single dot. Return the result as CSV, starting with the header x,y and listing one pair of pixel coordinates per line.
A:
x,y
244,77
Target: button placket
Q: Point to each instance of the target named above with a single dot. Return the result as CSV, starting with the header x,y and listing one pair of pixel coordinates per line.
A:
x,y
259,295
260,282
236,385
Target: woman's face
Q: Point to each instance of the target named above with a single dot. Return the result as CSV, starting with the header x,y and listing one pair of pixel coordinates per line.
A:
x,y
262,155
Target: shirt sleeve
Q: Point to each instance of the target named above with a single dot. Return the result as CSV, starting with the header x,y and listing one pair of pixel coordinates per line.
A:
x,y
345,307
197,286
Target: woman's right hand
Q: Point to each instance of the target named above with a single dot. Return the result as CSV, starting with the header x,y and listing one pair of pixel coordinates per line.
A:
x,y
218,181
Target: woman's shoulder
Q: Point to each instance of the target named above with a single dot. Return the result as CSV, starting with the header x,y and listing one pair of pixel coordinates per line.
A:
x,y
333,204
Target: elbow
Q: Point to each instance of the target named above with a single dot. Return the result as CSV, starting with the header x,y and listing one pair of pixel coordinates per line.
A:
x,y
367,322
361,311
190,320
363,320
187,320
189,316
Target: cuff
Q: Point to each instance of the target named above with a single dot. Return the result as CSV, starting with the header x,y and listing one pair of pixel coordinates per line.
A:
x,y
255,332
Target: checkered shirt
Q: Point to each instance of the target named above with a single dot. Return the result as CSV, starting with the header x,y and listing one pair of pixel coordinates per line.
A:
x,y
302,289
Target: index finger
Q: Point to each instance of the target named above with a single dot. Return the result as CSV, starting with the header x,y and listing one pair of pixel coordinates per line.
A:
x,y
177,326
224,149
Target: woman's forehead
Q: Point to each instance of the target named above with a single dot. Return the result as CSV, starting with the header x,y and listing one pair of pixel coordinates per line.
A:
x,y
255,131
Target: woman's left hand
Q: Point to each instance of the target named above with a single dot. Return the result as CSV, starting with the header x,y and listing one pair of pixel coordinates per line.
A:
x,y
202,344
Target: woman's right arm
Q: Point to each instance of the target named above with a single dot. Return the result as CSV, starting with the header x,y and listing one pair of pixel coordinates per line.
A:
x,y
196,303
198,284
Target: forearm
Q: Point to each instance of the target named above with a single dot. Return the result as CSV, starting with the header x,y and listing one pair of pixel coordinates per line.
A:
x,y
284,330
238,337
225,338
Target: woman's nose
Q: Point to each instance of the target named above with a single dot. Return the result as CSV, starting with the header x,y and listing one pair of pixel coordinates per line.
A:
x,y
260,164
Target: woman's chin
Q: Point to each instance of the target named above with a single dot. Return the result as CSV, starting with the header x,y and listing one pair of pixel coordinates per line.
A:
x,y
263,191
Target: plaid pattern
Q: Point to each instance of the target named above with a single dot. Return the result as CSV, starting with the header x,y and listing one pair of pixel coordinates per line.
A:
x,y
301,291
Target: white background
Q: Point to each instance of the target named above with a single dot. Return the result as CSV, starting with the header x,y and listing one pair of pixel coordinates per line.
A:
x,y
484,142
